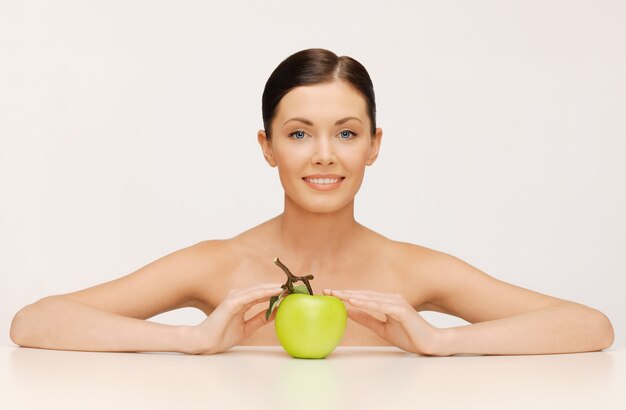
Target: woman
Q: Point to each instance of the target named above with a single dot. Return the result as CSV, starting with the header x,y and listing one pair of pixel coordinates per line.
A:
x,y
320,132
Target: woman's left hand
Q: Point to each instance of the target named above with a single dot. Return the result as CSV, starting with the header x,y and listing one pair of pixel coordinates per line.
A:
x,y
404,326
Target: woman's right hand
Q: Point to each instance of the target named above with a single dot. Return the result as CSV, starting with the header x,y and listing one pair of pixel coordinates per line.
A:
x,y
225,327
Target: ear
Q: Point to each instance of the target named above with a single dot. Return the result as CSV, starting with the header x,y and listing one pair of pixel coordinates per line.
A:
x,y
375,146
266,147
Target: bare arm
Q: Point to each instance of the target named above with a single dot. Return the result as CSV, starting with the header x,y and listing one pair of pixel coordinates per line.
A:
x,y
505,319
110,316
58,322
508,319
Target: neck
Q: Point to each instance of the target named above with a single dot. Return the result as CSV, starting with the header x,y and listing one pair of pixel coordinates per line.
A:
x,y
317,237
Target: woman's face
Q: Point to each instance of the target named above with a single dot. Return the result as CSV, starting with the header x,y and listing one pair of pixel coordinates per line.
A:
x,y
321,143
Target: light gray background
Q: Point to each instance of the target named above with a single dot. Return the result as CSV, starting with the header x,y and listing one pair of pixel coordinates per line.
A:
x,y
128,131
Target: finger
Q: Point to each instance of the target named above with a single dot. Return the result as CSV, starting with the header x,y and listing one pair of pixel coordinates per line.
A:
x,y
377,298
364,293
342,297
239,291
396,311
250,298
254,323
247,306
368,321
257,293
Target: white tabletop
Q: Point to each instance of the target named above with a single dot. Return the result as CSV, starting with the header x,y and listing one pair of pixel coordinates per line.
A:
x,y
249,377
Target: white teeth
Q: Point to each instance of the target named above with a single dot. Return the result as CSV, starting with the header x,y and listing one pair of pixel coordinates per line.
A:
x,y
322,181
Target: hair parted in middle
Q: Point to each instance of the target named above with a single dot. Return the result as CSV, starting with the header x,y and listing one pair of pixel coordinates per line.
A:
x,y
315,66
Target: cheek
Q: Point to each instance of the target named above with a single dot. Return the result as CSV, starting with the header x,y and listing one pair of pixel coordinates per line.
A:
x,y
290,160
354,157
295,159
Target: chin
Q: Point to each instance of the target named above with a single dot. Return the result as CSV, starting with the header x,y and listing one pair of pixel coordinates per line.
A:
x,y
322,206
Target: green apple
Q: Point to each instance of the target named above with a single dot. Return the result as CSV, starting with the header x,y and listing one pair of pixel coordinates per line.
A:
x,y
310,326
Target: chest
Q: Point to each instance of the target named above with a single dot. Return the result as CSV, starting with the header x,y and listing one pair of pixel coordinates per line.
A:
x,y
368,274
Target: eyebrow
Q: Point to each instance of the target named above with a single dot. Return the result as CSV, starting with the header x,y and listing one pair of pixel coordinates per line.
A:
x,y
309,122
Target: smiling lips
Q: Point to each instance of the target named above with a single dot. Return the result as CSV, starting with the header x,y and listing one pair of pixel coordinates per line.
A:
x,y
323,182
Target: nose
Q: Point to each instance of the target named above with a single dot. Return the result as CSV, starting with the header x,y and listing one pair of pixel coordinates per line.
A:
x,y
324,152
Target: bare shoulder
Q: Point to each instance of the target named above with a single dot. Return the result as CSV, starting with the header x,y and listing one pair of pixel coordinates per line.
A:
x,y
409,257
421,260
416,256
233,263
225,254
212,252
175,280
220,257
446,283
217,258
419,269
202,260
406,266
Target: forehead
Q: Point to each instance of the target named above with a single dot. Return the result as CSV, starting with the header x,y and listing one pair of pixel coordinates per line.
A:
x,y
332,100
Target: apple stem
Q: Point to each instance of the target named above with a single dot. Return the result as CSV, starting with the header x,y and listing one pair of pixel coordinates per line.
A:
x,y
291,278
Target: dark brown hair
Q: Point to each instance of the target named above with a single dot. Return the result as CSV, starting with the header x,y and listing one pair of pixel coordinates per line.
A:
x,y
315,66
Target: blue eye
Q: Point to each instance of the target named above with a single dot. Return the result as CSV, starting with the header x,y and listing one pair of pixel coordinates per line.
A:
x,y
298,135
345,134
